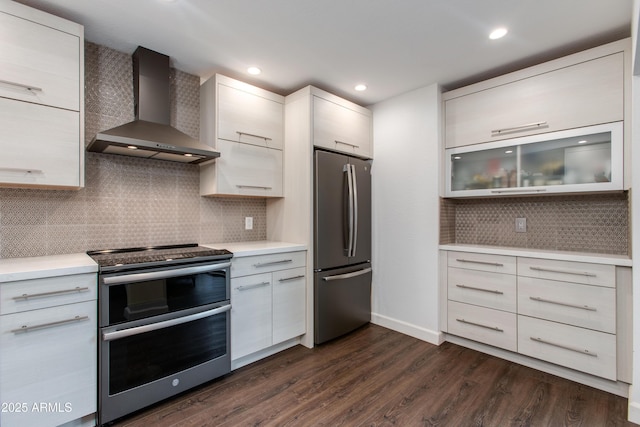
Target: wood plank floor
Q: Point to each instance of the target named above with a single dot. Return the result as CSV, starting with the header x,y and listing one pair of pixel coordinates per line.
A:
x,y
378,377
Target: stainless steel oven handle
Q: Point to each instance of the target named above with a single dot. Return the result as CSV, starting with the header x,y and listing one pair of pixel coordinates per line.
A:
x,y
153,275
110,336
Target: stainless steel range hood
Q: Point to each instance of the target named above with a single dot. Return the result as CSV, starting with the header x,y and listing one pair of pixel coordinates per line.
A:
x,y
150,134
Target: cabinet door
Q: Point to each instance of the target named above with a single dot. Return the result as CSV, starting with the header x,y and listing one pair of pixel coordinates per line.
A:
x,y
342,129
50,370
40,145
244,170
249,118
584,94
289,301
39,64
251,313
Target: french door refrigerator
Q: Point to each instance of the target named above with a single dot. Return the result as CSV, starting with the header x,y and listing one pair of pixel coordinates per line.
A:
x,y
342,244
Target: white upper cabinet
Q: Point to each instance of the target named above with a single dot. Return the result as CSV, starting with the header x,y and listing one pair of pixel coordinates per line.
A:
x,y
581,90
41,99
340,125
246,124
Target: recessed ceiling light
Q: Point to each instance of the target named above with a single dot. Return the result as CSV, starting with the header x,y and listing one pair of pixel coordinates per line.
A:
x,y
360,87
584,141
132,147
498,33
254,70
509,151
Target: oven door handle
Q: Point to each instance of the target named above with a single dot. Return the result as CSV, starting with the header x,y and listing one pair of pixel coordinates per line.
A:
x,y
154,275
110,336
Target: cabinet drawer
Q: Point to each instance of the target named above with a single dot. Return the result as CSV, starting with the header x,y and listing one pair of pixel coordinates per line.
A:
x,y
577,348
289,304
561,99
483,262
47,292
39,144
568,271
251,314
492,290
42,58
339,128
244,266
55,362
250,118
592,307
493,327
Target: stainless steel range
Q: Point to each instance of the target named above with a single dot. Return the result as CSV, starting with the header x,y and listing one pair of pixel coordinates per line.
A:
x,y
164,323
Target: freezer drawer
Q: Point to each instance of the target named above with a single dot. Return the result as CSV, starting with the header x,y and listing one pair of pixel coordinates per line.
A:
x,y
342,301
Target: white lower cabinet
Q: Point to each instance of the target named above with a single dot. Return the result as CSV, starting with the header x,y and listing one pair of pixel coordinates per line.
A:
x,y
562,312
48,357
268,299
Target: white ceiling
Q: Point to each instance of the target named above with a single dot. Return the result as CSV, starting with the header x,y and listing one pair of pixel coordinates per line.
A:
x,y
391,45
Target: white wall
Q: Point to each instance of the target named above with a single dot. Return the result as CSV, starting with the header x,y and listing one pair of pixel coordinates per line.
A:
x,y
406,213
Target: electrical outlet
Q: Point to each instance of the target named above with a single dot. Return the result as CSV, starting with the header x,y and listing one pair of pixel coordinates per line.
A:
x,y
248,223
521,225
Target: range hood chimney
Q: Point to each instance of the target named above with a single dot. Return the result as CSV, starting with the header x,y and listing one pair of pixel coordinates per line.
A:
x,y
150,134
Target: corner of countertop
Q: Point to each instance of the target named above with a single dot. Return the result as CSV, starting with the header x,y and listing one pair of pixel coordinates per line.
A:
x,y
37,267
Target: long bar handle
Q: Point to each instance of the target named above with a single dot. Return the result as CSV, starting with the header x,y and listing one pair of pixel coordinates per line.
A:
x,y
22,86
481,289
164,274
495,264
52,293
551,270
493,328
286,279
264,264
110,336
355,211
22,170
254,186
266,138
521,128
566,347
565,304
518,191
347,169
26,328
346,143
347,275
257,285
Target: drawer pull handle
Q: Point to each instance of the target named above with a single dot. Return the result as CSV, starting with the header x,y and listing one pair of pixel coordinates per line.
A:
x,y
346,143
521,128
264,264
481,289
257,285
254,186
286,279
565,304
266,138
30,88
25,297
26,328
493,328
566,347
24,170
495,264
551,270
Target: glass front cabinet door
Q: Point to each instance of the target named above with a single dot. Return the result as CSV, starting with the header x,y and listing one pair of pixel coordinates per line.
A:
x,y
588,159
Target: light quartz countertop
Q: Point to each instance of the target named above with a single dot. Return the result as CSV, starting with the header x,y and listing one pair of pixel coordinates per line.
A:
x,y
14,269
262,247
620,260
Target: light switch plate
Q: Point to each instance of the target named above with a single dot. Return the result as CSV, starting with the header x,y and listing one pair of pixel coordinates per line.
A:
x,y
521,225
248,223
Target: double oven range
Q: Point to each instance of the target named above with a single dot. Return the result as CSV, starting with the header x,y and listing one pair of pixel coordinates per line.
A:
x,y
164,323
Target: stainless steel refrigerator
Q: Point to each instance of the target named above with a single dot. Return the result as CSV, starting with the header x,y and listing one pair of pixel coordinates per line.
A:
x,y
342,244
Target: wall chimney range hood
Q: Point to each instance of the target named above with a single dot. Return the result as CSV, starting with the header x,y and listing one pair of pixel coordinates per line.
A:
x,y
150,134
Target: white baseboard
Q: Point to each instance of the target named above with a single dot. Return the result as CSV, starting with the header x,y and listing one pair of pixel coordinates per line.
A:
x,y
254,357
634,412
433,337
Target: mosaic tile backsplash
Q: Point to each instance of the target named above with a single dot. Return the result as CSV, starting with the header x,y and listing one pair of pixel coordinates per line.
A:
x,y
597,223
126,201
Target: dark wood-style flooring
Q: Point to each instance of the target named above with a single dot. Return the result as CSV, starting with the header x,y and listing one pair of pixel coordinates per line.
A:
x,y
378,377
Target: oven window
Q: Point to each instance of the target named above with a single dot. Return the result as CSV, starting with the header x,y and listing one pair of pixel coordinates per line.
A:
x,y
149,356
139,300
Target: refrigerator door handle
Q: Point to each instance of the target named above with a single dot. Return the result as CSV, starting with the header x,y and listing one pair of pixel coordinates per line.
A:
x,y
347,275
347,170
355,211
